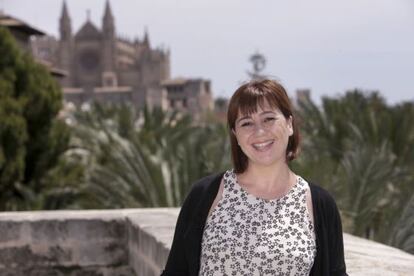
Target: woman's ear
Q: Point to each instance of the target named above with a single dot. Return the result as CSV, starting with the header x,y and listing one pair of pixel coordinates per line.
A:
x,y
290,125
235,136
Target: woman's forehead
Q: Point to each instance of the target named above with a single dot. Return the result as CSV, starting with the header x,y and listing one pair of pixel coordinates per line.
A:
x,y
260,105
258,108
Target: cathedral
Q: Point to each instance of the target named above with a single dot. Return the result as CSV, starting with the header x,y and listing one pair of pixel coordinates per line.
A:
x,y
100,66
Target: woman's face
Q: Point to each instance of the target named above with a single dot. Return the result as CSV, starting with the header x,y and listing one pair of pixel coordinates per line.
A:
x,y
263,136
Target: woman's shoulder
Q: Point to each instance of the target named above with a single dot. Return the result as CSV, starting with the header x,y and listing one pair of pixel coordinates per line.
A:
x,y
319,192
321,197
205,186
200,197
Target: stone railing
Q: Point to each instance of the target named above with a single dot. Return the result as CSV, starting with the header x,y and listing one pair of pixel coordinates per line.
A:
x,y
132,242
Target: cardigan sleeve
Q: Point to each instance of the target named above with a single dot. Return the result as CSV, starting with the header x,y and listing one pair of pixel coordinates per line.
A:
x,y
336,248
177,262
183,259
329,260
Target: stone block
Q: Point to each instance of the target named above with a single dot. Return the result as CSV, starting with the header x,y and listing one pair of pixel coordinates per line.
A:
x,y
105,252
69,271
51,231
23,256
9,231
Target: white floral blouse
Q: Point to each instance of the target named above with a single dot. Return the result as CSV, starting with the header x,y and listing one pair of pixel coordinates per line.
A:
x,y
247,235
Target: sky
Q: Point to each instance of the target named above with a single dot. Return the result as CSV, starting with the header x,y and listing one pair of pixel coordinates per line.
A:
x,y
327,46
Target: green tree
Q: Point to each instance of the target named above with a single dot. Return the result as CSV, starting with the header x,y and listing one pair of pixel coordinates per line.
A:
x,y
145,159
13,134
32,139
403,232
361,150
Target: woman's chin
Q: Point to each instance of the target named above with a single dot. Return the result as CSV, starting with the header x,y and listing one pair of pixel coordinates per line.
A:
x,y
265,161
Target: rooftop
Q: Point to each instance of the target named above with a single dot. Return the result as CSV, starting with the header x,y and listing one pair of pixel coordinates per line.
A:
x,y
17,24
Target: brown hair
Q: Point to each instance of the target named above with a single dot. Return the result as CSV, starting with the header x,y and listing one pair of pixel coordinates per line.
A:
x,y
245,101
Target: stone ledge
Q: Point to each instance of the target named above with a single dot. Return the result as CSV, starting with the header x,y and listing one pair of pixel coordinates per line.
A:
x,y
133,242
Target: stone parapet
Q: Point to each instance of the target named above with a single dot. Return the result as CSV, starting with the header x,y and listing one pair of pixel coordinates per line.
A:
x,y
150,236
132,242
63,243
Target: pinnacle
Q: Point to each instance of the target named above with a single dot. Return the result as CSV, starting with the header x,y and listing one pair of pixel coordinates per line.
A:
x,y
146,37
65,13
108,10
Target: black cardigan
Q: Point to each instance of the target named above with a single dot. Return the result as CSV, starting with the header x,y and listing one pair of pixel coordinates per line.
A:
x,y
184,257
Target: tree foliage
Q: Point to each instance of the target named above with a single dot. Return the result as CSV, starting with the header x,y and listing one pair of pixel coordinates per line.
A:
x,y
146,158
361,150
32,140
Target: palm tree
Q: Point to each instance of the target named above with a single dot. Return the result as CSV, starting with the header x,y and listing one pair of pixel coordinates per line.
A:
x,y
356,147
147,158
402,235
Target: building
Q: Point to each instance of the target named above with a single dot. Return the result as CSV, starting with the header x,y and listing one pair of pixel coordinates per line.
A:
x,y
19,29
302,96
107,68
23,32
188,95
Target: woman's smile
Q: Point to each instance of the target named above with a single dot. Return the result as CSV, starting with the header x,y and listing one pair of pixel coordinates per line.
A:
x,y
263,146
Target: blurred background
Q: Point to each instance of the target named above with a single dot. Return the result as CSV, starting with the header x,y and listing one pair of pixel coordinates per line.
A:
x,y
121,104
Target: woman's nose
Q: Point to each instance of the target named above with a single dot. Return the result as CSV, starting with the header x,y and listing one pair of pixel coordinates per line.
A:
x,y
259,128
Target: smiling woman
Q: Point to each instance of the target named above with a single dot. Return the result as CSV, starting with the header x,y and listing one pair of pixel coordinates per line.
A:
x,y
265,101
258,218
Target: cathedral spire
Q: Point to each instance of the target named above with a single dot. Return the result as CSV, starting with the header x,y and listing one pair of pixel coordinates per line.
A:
x,y
108,20
65,13
108,11
109,43
146,37
65,23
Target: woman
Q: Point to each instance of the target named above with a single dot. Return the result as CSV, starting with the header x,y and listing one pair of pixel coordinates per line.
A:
x,y
259,218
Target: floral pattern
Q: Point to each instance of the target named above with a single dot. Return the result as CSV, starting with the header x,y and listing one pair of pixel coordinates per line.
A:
x,y
247,235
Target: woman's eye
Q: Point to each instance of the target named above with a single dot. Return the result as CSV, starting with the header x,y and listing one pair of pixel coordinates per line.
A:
x,y
246,124
269,119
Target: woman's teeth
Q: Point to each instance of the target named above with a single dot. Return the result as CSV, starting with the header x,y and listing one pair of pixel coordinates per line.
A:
x,y
262,145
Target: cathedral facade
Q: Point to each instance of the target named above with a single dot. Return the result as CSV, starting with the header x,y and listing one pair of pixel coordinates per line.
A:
x,y
103,67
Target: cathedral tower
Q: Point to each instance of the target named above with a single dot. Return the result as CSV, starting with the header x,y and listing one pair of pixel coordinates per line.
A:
x,y
109,77
66,44
146,39
65,27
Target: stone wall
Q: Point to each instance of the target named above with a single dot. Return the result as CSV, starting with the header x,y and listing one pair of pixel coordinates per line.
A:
x,y
132,242
63,243
109,242
150,236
